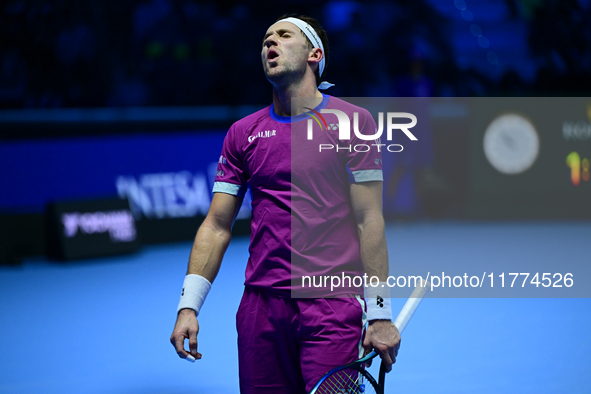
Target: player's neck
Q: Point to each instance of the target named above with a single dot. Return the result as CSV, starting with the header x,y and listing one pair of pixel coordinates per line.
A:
x,y
282,98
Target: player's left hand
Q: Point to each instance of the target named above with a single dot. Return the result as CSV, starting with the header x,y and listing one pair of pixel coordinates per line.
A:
x,y
383,336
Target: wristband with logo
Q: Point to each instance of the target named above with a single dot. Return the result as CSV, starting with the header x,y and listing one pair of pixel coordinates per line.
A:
x,y
379,305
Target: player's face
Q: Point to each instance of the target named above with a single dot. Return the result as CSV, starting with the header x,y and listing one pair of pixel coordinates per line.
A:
x,y
285,51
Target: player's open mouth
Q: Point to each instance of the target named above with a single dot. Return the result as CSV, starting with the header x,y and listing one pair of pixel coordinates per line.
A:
x,y
272,55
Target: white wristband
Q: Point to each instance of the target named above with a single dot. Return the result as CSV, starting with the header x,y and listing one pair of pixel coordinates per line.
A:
x,y
195,289
379,306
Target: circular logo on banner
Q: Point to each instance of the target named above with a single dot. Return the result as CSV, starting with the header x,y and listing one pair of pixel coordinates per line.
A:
x,y
511,144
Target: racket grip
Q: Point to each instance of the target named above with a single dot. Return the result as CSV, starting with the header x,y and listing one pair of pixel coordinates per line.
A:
x,y
411,305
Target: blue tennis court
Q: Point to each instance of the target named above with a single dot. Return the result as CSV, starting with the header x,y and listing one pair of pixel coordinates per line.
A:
x,y
102,325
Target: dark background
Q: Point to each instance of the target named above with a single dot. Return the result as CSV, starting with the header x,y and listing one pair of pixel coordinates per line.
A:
x,y
73,54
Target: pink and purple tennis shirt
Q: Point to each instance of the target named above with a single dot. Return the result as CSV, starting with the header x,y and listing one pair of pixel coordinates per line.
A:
x,y
302,220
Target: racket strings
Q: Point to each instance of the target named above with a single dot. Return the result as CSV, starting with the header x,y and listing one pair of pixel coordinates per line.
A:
x,y
347,381
343,380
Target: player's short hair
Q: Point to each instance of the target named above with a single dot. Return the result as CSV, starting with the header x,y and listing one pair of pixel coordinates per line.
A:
x,y
321,33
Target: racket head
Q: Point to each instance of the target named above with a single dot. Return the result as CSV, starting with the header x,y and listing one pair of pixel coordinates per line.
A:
x,y
347,379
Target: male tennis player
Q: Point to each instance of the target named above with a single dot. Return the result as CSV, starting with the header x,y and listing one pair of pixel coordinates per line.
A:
x,y
314,213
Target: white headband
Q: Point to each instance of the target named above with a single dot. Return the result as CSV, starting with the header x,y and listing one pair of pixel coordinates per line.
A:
x,y
315,40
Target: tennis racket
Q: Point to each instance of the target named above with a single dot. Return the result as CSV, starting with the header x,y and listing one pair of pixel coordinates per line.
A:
x,y
353,378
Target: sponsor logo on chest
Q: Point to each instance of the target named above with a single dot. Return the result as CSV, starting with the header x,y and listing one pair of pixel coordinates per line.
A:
x,y
262,134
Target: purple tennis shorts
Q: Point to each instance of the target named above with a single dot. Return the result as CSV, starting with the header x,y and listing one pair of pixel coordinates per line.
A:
x,y
286,345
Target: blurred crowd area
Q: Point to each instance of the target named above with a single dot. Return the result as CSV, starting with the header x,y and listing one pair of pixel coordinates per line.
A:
x,y
109,53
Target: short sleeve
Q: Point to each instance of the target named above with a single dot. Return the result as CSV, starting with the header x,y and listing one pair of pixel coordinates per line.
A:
x,y
364,160
230,176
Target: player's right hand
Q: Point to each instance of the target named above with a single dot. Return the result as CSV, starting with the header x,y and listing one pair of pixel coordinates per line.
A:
x,y
384,338
186,327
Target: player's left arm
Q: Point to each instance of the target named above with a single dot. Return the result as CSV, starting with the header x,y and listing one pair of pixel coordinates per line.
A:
x,y
366,200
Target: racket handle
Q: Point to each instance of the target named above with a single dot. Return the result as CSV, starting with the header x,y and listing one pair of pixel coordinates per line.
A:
x,y
411,305
382,377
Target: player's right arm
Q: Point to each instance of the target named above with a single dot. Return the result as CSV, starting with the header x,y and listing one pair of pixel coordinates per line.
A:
x,y
208,250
